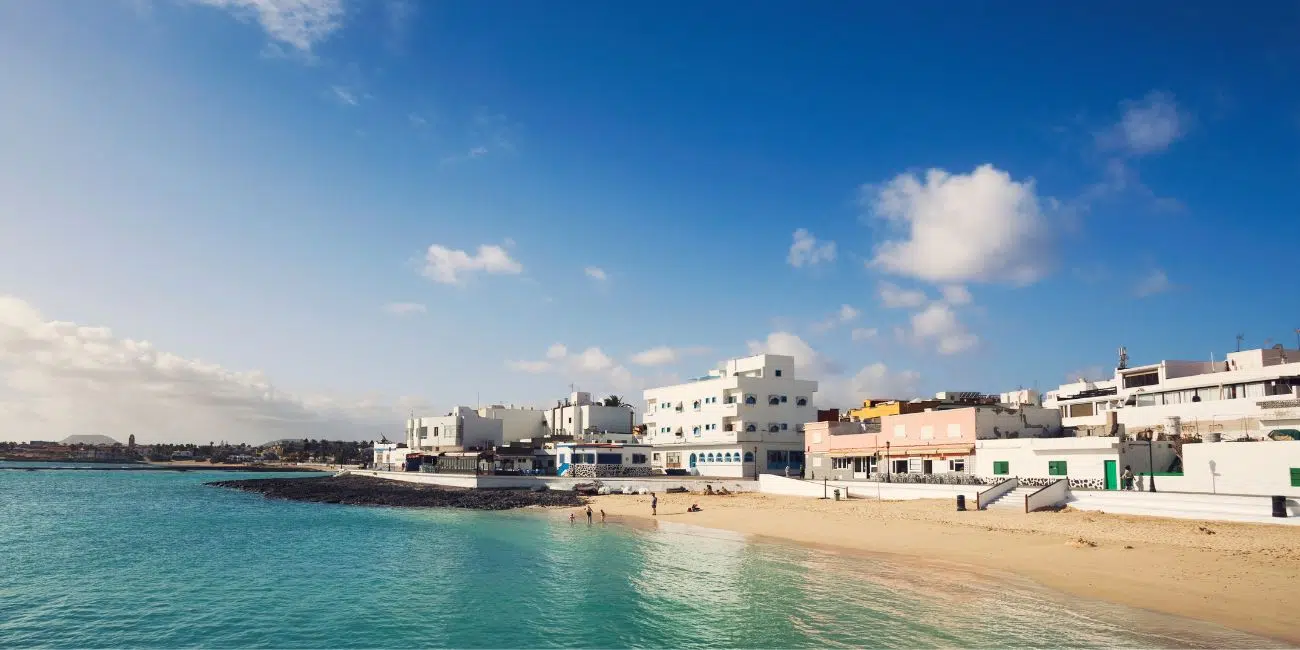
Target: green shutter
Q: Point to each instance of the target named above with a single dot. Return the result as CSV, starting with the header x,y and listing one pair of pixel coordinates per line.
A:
x,y
1056,467
1004,467
1295,477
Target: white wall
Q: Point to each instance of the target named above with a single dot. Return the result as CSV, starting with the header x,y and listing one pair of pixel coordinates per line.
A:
x,y
516,423
1028,457
773,484
1251,468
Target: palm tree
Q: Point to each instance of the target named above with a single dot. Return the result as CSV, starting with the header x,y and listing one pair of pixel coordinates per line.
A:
x,y
613,400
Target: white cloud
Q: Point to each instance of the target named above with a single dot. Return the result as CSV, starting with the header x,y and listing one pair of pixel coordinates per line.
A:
x,y
834,389
58,378
807,251
938,324
1156,281
299,23
416,120
955,294
1148,125
404,308
596,273
557,351
894,297
344,95
976,227
448,266
845,315
807,361
664,355
593,360
864,333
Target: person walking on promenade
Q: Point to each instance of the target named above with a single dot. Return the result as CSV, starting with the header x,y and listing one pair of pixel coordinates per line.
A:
x,y
1126,479
654,504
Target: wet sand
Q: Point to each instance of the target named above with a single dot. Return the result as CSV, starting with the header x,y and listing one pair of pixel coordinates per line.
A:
x,y
1242,576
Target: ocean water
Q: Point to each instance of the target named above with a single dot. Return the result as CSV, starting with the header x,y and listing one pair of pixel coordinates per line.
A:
x,y
158,560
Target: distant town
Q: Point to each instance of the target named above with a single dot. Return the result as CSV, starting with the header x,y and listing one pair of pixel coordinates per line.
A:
x,y
103,449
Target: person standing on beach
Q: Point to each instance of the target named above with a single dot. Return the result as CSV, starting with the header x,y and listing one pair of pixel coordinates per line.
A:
x,y
654,504
588,514
572,518
602,515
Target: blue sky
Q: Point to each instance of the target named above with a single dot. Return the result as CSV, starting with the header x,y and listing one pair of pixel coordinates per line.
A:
x,y
1012,191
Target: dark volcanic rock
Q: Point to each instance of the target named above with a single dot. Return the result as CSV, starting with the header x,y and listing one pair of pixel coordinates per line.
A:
x,y
364,490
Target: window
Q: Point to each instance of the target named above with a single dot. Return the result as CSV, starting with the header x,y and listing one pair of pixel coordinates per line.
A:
x,y
957,465
696,430
751,400
783,426
657,457
696,405
773,400
1147,400
1295,477
1056,467
1001,467
750,428
639,458
954,430
773,428
899,466
1080,410
783,399
731,399
564,458
900,431
801,401
727,457
915,465
749,457
840,463
778,372
609,459
570,420
1139,379
709,458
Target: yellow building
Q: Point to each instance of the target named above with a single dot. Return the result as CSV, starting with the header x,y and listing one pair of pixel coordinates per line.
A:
x,y
874,408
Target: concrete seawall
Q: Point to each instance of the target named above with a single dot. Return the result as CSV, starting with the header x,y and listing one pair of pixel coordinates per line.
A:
x,y
650,484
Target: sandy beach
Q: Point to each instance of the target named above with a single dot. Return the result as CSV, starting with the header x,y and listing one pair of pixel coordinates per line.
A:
x,y
1241,576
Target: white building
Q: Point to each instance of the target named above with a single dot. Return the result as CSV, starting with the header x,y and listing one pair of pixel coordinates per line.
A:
x,y
580,416
390,456
1091,462
1247,395
517,423
601,460
753,409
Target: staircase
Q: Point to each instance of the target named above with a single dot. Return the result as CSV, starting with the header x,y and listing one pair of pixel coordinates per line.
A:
x,y
1013,500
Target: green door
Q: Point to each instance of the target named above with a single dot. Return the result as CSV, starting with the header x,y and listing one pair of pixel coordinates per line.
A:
x,y
1112,475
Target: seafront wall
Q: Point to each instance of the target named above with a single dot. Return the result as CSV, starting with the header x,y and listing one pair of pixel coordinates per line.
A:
x,y
635,484
773,484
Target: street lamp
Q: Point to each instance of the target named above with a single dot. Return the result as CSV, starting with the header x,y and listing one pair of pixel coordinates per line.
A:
x,y
889,460
1151,464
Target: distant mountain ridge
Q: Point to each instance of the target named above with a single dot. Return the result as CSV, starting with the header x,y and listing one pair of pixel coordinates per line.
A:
x,y
90,439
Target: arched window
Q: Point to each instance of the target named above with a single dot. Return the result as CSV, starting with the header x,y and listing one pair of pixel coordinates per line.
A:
x,y
696,430
710,457
727,457
692,460
773,428
773,400
749,457
751,428
751,400
802,401
696,405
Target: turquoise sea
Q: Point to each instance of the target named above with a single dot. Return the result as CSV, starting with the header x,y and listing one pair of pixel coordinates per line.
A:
x,y
97,559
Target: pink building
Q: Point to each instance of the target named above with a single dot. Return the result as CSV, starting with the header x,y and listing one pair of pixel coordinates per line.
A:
x,y
930,442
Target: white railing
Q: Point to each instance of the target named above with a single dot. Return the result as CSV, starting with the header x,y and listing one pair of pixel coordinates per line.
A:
x,y
983,499
1049,496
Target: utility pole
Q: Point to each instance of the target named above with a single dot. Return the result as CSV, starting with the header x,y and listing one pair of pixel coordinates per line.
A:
x,y
1240,338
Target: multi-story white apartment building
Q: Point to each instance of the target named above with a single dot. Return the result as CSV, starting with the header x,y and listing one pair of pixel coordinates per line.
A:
x,y
742,419
1248,394
582,417
465,427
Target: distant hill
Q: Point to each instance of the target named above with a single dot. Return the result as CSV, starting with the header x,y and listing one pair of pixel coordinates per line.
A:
x,y
89,440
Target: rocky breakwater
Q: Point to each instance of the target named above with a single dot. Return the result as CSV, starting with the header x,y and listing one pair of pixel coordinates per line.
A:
x,y
367,491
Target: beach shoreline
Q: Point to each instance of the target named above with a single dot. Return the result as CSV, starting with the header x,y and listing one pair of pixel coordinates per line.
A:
x,y
1240,576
